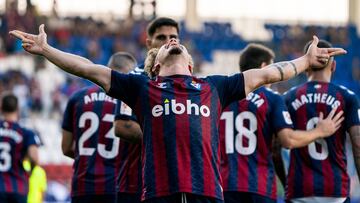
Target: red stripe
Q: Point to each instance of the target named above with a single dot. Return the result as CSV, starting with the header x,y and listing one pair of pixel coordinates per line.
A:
x,y
262,147
327,171
159,149
243,161
183,141
209,171
340,151
224,167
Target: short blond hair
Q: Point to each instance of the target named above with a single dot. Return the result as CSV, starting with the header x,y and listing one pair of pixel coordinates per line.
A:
x,y
150,62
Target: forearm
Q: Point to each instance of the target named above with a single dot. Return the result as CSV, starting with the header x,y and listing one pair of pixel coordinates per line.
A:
x,y
278,162
285,70
79,66
128,130
355,141
298,138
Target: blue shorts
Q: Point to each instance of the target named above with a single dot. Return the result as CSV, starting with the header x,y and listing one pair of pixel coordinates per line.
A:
x,y
108,198
183,197
128,198
12,198
246,197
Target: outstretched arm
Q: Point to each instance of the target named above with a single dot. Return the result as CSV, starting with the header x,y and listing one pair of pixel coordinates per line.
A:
x,y
315,57
278,162
37,44
128,130
355,141
290,138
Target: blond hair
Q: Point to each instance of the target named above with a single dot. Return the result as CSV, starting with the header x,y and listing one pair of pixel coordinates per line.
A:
x,y
150,63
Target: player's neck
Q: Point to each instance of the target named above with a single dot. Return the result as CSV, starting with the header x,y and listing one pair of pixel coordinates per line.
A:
x,y
319,76
11,117
174,69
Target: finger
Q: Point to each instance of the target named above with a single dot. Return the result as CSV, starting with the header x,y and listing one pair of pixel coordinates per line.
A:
x,y
17,35
338,52
327,56
25,45
42,29
321,116
332,113
28,41
338,115
315,41
338,123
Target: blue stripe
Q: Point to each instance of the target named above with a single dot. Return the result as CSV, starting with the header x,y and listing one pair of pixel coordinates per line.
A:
x,y
253,158
215,102
318,179
149,176
169,139
234,157
196,150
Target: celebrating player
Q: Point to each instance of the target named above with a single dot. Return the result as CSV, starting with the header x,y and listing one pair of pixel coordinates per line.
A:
x,y
88,137
317,172
16,142
178,113
246,132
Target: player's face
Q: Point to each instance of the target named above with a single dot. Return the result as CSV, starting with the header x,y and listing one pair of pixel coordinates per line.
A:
x,y
161,36
172,49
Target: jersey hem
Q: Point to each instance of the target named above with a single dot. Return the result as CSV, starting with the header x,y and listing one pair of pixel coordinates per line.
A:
x,y
250,191
149,195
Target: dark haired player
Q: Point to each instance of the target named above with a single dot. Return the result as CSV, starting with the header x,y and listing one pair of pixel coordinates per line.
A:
x,y
178,113
317,172
16,142
246,133
88,138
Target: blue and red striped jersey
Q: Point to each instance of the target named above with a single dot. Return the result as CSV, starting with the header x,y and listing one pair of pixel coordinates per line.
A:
x,y
319,169
179,116
14,143
129,180
246,133
89,116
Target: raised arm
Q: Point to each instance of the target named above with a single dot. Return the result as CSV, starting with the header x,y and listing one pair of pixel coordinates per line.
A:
x,y
355,142
315,57
290,138
77,65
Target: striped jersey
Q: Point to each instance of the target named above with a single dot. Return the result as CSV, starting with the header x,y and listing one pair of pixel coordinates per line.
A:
x,y
179,116
246,133
319,169
129,180
14,144
89,116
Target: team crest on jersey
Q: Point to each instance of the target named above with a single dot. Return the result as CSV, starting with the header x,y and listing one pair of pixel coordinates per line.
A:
x,y
162,85
195,85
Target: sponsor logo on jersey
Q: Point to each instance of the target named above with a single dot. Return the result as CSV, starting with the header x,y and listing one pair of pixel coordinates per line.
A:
x,y
171,106
196,85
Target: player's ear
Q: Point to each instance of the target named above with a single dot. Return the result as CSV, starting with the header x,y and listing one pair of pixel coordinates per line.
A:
x,y
190,68
148,43
155,69
333,66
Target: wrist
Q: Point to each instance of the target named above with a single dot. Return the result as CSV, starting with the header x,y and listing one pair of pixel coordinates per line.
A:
x,y
45,49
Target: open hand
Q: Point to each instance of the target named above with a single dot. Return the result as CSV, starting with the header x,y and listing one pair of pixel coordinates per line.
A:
x,y
319,57
33,44
330,124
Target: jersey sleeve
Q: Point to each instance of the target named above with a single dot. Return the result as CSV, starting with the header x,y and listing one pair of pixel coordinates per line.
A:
x,y
352,111
124,112
126,87
31,138
68,118
280,114
230,88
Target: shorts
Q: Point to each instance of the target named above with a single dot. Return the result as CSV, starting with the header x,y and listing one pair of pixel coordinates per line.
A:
x,y
246,197
12,198
108,198
183,198
123,197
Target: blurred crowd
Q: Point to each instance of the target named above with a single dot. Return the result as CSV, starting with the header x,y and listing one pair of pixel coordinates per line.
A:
x,y
98,40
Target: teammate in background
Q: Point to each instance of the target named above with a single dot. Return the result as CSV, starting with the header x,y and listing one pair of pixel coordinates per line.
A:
x,y
16,143
180,166
159,31
37,182
246,132
317,172
88,137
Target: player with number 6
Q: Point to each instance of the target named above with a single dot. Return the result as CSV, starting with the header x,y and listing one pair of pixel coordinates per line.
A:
x,y
246,130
